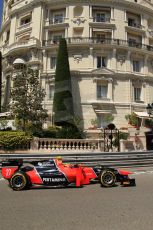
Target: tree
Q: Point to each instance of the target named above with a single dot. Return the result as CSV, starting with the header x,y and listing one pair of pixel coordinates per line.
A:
x,y
0,81
27,96
63,101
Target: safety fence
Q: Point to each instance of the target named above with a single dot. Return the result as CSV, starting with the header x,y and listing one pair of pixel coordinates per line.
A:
x,y
115,159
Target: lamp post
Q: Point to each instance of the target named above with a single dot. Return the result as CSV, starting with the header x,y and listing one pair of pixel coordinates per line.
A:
x,y
149,109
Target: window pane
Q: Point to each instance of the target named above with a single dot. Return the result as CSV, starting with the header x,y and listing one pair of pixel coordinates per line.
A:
x,y
51,92
25,20
136,67
58,18
137,94
98,91
57,37
98,62
101,119
102,91
100,17
53,62
101,62
131,22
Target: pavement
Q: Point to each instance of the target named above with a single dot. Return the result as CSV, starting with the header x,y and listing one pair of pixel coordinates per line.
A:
x,y
87,208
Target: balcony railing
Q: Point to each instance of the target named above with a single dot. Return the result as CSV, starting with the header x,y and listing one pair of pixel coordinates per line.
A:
x,y
24,26
55,20
134,24
21,44
102,41
101,19
151,33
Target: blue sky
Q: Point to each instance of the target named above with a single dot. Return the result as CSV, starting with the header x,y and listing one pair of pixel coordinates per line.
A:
x,y
1,4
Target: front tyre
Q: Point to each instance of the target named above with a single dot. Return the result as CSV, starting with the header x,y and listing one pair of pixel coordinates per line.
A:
x,y
107,178
18,181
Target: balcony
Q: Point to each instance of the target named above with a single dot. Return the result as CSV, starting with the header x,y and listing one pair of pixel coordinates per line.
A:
x,y
100,41
6,66
101,19
21,45
24,27
56,20
102,22
150,33
135,25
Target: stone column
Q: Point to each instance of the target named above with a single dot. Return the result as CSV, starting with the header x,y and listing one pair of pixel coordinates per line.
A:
x,y
34,143
91,63
145,67
112,12
110,89
128,61
44,60
113,60
90,11
144,92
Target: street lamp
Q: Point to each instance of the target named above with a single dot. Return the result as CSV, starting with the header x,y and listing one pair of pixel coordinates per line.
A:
x,y
149,109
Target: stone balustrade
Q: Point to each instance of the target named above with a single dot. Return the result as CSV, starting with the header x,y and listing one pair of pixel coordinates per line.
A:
x,y
67,144
32,42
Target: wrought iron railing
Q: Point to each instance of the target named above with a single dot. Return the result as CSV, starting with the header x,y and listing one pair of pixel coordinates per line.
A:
x,y
101,19
136,25
56,20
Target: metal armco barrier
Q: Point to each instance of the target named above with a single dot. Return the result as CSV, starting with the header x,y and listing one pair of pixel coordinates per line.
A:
x,y
115,159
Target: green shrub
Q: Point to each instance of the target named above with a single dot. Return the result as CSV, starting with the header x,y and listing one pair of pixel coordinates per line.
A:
x,y
14,140
69,132
148,123
122,135
65,132
132,119
47,133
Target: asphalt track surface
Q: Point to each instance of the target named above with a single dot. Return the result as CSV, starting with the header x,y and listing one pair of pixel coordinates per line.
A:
x,y
87,208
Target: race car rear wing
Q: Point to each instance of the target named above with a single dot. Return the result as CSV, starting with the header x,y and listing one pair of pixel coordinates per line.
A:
x,y
9,163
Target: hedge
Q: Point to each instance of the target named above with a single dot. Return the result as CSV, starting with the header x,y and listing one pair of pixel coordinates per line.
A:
x,y
14,140
69,132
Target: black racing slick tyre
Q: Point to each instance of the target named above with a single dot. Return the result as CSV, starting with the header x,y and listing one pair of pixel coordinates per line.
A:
x,y
107,178
18,181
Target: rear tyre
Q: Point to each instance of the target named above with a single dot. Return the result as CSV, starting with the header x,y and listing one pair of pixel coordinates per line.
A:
x,y
18,181
107,178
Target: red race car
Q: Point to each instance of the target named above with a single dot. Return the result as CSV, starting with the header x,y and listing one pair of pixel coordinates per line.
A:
x,y
54,172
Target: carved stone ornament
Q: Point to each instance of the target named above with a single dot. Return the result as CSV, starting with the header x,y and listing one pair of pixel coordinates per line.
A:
x,y
121,58
78,20
77,58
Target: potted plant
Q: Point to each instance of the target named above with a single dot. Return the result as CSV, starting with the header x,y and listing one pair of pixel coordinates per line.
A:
x,y
132,119
148,123
108,118
94,123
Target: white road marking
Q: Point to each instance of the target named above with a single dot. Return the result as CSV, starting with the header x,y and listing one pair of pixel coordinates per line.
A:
x,y
143,172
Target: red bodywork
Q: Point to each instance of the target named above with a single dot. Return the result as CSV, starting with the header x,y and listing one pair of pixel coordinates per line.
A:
x,y
80,175
8,172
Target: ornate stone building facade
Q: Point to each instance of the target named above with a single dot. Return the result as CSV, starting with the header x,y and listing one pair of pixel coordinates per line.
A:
x,y
110,46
